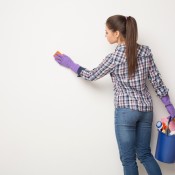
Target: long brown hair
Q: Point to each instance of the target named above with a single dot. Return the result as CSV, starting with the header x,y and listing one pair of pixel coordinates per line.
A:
x,y
127,26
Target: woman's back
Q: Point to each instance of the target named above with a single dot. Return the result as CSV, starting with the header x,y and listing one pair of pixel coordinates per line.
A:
x,y
133,92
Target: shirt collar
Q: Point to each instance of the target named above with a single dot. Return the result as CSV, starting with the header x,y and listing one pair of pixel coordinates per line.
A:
x,y
120,46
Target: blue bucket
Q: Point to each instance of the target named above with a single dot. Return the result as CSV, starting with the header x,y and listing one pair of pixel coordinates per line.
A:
x,y
165,149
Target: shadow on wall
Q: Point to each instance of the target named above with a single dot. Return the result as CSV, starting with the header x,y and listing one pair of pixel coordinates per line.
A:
x,y
103,84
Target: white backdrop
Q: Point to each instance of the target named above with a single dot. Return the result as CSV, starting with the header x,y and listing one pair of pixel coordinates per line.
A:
x,y
51,122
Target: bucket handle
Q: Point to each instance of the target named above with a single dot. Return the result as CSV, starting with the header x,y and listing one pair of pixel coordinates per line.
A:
x,y
168,129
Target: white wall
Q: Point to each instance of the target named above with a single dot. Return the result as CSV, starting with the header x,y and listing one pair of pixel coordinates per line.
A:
x,y
52,122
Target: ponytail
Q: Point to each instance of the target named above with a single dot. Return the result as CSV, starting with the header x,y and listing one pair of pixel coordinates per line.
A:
x,y
127,26
131,45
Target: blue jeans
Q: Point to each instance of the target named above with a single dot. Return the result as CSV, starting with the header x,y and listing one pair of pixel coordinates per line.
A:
x,y
133,134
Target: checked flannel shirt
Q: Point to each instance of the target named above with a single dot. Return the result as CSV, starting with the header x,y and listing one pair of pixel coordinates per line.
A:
x,y
129,93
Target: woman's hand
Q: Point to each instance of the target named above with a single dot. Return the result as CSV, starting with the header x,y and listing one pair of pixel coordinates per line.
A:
x,y
170,108
66,61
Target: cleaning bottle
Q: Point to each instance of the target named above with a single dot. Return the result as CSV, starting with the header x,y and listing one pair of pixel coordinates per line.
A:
x,y
159,125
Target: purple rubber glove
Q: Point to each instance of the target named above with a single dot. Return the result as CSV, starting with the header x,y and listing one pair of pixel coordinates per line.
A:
x,y
169,106
66,61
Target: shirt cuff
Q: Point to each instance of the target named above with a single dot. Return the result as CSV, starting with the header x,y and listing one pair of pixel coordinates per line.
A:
x,y
79,71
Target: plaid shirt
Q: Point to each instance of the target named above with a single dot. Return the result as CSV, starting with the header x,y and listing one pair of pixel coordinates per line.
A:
x,y
129,93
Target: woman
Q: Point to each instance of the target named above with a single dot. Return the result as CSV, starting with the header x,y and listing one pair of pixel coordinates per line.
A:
x,y
129,67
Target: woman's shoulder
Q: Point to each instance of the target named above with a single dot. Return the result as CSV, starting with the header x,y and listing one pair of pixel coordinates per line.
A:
x,y
143,50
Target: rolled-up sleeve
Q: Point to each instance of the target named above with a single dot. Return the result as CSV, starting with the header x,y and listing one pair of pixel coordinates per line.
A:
x,y
155,78
104,68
